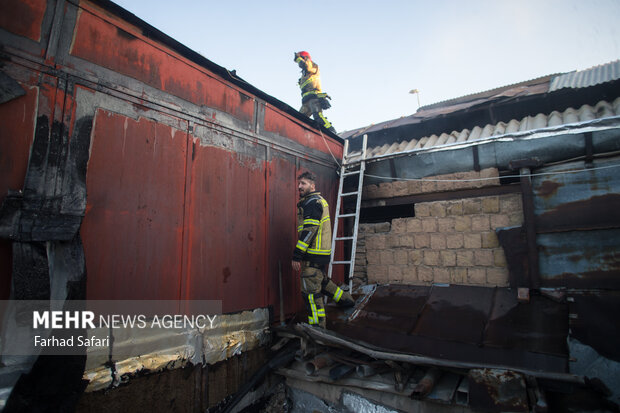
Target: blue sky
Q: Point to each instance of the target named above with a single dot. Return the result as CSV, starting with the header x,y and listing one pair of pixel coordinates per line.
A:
x,y
371,53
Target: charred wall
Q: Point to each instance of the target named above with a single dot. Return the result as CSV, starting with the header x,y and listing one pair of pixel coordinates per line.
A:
x,y
166,171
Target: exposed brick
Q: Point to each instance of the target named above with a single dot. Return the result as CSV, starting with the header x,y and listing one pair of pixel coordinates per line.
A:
x,y
455,208
393,240
471,206
414,187
425,274
377,242
448,258
422,210
458,275
483,258
401,257
373,257
407,240
489,173
489,240
395,273
499,221
472,241
515,219
387,257
399,225
422,240
480,223
499,258
366,228
446,185
438,241
462,182
464,258
454,240
370,192
431,257
438,209
490,205
476,276
385,190
441,275
445,225
415,257
428,186
399,188
377,273
497,277
510,203
383,227
462,224
414,225
410,274
429,225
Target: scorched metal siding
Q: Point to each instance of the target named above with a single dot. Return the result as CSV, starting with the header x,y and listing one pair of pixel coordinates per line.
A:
x,y
179,177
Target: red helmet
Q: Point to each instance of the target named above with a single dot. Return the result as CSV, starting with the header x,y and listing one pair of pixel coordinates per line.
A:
x,y
305,55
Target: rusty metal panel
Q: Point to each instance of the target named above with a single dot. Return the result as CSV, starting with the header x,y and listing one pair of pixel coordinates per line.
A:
x,y
580,259
462,323
577,201
467,307
186,193
578,224
492,390
122,48
539,326
227,229
134,219
282,199
23,18
594,321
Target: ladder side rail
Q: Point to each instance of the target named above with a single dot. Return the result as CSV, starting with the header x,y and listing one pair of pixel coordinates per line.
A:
x,y
337,210
357,212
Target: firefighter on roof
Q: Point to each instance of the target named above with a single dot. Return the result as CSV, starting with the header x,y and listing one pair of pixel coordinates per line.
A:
x,y
313,100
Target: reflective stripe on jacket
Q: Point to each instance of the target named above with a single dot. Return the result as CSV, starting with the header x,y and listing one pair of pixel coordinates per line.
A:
x,y
310,81
314,228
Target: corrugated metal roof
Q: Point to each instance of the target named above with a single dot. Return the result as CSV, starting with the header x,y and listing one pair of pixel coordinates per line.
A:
x,y
588,77
463,324
585,113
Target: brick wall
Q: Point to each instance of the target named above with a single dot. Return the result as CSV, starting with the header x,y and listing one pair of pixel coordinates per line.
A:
x,y
438,183
446,242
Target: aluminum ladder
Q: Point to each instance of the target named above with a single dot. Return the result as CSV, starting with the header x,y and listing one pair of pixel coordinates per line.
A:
x,y
352,164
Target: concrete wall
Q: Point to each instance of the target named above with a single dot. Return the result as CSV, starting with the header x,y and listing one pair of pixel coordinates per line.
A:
x,y
452,241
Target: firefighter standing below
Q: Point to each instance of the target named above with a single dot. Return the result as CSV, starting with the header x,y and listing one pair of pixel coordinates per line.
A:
x,y
313,100
313,251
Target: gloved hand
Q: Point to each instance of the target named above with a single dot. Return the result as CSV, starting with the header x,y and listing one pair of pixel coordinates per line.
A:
x,y
296,56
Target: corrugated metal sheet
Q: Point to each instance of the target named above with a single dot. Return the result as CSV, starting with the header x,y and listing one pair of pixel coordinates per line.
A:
x,y
579,214
588,77
476,325
585,113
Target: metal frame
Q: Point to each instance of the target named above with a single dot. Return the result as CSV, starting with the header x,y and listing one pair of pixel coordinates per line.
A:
x,y
345,170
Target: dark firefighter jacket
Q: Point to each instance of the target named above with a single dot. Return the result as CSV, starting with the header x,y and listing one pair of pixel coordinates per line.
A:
x,y
314,228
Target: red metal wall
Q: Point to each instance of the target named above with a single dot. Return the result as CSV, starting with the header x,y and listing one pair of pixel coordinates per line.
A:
x,y
190,179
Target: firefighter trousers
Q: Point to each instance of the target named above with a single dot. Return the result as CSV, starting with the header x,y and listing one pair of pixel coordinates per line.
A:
x,y
315,287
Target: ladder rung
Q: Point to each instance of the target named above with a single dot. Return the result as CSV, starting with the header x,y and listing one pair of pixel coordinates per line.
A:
x,y
341,262
348,194
342,238
346,215
351,173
